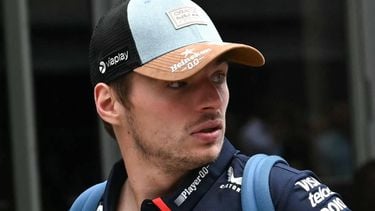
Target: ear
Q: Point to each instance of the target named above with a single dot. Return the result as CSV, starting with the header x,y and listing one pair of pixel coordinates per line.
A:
x,y
106,103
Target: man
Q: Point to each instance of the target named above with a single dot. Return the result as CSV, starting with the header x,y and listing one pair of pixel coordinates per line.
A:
x,y
159,71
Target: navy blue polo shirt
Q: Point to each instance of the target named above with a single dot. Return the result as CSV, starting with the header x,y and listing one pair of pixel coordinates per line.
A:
x,y
217,186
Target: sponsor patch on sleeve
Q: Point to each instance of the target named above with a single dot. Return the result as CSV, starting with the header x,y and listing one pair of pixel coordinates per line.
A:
x,y
320,196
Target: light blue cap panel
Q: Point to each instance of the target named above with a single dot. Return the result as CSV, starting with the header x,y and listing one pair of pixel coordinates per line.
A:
x,y
161,26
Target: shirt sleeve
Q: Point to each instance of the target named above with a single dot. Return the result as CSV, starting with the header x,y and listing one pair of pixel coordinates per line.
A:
x,y
294,190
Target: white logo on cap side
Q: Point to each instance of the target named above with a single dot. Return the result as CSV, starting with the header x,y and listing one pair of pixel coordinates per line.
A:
x,y
102,67
186,16
113,60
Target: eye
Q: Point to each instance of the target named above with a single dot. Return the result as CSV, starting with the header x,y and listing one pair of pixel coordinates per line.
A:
x,y
176,84
219,77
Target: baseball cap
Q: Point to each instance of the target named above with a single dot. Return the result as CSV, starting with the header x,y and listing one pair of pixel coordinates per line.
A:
x,y
163,39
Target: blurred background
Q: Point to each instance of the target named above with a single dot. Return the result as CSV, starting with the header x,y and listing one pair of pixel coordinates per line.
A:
x,y
313,101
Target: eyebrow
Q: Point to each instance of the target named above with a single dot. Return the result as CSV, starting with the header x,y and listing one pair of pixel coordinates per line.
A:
x,y
221,60
220,63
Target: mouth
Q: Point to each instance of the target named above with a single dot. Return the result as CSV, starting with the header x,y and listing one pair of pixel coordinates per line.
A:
x,y
209,130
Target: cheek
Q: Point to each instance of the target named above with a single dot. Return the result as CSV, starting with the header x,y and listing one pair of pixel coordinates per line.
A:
x,y
160,125
225,97
159,114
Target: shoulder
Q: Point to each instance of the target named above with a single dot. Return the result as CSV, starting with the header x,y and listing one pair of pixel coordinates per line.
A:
x,y
89,199
293,189
283,175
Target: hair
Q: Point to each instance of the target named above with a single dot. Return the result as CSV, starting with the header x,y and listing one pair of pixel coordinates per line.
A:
x,y
122,89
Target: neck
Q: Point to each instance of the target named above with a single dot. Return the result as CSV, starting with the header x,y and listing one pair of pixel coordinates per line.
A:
x,y
148,182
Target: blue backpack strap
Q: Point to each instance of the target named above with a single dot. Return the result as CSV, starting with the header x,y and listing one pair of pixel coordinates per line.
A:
x,y
255,192
89,199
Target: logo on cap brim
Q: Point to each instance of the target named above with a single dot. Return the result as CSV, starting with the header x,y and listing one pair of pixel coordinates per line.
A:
x,y
190,60
187,61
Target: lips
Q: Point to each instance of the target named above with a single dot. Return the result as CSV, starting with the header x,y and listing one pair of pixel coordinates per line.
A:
x,y
208,127
208,130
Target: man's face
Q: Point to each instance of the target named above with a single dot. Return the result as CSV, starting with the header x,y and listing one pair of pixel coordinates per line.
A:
x,y
178,125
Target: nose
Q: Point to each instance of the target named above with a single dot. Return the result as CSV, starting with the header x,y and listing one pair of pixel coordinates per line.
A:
x,y
212,96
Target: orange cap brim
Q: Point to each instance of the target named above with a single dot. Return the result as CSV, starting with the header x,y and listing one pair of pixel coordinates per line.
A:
x,y
188,60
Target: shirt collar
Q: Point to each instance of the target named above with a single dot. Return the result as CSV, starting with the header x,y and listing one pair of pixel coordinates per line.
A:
x,y
114,185
200,181
187,195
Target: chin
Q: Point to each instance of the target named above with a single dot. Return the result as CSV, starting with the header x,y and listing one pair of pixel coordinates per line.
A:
x,y
211,153
197,162
198,156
